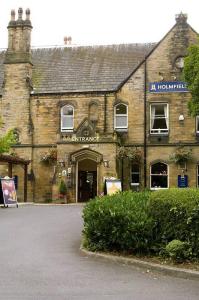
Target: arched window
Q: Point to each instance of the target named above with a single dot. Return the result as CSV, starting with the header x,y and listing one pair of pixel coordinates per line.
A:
x,y
159,176
121,117
67,118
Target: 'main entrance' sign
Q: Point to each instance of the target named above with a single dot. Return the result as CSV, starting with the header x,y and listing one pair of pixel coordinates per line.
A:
x,y
168,87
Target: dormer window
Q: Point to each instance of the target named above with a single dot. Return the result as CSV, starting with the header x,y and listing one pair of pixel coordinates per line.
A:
x,y
121,117
67,118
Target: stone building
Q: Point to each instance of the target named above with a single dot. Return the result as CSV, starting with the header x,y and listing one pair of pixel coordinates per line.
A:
x,y
84,114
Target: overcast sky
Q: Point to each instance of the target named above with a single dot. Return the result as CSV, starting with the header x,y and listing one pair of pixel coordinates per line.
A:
x,y
91,22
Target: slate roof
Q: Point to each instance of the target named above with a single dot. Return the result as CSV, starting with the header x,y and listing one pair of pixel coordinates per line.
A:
x,y
83,69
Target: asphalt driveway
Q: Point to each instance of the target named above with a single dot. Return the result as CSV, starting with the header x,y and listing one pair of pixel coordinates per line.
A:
x,y
40,259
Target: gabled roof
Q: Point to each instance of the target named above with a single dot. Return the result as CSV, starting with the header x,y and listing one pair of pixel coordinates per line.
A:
x,y
83,69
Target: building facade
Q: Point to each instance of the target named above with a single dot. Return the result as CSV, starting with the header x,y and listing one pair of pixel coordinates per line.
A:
x,y
85,114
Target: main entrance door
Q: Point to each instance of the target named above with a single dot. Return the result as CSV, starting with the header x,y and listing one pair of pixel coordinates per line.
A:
x,y
87,180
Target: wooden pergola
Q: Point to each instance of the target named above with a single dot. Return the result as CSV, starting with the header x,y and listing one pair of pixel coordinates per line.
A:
x,y
15,160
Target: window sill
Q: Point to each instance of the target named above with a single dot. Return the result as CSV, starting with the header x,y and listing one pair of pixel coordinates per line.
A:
x,y
159,133
158,188
121,129
67,131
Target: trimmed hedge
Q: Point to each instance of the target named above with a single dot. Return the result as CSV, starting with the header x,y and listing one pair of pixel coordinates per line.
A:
x,y
118,222
143,222
176,216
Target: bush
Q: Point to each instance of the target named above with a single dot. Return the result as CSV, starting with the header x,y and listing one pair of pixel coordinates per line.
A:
x,y
178,250
62,188
118,222
176,216
144,222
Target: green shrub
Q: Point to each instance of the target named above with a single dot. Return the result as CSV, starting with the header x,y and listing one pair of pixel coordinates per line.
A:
x,y
118,222
62,188
176,216
178,250
144,222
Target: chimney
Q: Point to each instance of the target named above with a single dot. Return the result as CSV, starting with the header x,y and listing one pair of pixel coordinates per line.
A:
x,y
19,37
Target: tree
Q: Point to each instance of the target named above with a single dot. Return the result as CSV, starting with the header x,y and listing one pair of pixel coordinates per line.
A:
x,y
191,77
6,140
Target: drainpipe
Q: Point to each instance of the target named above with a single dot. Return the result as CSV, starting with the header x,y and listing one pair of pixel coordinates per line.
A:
x,y
105,109
145,123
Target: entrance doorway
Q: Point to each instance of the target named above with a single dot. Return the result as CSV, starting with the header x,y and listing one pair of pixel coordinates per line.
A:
x,y
87,180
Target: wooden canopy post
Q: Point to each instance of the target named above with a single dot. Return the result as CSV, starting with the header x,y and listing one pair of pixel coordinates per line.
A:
x,y
10,170
15,160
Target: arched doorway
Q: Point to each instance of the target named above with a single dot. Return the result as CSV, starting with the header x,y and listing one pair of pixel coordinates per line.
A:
x,y
87,180
86,166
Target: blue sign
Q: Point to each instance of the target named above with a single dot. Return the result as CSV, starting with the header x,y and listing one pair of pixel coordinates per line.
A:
x,y
168,87
182,181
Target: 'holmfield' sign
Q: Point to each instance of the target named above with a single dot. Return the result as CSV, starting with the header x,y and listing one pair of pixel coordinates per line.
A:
x,y
168,87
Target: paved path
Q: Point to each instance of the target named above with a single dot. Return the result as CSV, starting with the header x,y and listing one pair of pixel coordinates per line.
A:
x,y
40,259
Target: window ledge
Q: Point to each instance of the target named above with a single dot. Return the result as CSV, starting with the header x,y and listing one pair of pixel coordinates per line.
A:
x,y
121,129
158,188
67,131
159,134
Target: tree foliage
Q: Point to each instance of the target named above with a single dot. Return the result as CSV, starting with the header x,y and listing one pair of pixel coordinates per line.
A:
x,y
6,140
191,76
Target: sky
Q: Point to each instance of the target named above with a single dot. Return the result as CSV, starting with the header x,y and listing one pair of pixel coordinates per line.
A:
x,y
92,22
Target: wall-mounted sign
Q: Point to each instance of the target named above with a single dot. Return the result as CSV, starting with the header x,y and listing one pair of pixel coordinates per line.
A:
x,y
84,139
182,181
168,87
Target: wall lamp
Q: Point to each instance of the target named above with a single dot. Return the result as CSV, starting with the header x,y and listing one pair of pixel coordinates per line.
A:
x,y
106,163
61,163
181,117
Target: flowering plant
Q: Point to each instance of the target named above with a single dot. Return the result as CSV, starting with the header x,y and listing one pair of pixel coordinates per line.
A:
x,y
132,154
50,157
181,155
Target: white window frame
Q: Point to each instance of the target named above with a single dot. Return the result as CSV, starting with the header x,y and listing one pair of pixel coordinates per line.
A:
x,y
159,188
120,128
159,131
197,125
67,128
135,173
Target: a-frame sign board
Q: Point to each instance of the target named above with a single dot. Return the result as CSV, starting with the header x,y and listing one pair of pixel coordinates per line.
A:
x,y
8,195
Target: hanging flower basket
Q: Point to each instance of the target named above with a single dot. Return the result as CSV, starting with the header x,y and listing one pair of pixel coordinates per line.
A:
x,y
50,157
181,155
133,154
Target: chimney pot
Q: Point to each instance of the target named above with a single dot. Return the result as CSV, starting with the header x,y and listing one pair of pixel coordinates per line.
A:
x,y
12,15
27,14
20,13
